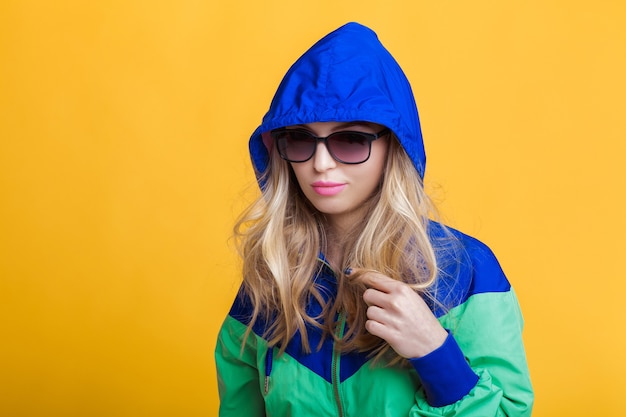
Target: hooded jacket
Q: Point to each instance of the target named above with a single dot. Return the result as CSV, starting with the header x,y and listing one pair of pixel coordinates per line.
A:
x,y
480,370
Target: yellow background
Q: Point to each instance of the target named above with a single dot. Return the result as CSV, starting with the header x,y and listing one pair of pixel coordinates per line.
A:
x,y
123,163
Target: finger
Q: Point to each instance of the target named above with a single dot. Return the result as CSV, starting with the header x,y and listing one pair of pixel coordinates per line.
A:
x,y
377,329
377,314
374,297
373,279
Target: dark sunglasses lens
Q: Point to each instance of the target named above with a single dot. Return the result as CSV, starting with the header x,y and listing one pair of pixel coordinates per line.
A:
x,y
295,146
350,147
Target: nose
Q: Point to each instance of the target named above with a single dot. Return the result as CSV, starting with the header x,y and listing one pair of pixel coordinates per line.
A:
x,y
323,160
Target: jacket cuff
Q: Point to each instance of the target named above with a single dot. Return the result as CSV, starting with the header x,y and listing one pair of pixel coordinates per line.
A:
x,y
445,374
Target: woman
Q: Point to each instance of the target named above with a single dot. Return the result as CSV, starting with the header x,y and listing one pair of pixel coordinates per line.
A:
x,y
354,301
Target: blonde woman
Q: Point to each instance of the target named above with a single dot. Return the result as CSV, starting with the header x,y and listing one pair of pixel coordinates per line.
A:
x,y
354,301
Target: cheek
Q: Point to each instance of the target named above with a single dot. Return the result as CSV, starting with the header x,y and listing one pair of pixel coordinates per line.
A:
x,y
369,179
375,170
299,173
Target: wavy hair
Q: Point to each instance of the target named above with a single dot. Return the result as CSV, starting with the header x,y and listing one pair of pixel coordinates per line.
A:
x,y
280,236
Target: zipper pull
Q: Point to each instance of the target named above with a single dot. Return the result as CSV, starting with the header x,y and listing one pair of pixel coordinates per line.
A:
x,y
267,384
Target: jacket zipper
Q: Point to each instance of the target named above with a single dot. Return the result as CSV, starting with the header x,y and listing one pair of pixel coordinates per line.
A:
x,y
269,356
336,353
335,365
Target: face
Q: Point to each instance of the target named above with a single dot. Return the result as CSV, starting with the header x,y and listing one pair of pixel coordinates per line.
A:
x,y
337,189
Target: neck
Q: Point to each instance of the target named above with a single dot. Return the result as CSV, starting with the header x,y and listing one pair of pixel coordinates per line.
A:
x,y
336,233
341,225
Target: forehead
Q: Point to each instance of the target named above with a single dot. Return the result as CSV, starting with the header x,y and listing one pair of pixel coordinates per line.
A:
x,y
322,127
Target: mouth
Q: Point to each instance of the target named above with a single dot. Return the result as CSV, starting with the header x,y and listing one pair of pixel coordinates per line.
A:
x,y
327,188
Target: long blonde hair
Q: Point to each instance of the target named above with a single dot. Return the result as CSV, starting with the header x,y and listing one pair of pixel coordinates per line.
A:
x,y
280,237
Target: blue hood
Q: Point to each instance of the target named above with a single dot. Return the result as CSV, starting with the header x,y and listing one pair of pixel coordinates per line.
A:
x,y
346,76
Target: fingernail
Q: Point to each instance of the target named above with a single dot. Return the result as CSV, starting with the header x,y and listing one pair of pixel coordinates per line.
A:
x,y
347,271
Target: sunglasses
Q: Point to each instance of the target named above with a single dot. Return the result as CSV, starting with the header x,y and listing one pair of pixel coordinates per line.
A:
x,y
347,147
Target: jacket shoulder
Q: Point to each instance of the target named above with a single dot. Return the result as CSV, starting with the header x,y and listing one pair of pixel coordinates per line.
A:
x,y
466,266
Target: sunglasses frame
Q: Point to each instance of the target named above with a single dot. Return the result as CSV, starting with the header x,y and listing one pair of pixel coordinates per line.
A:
x,y
370,137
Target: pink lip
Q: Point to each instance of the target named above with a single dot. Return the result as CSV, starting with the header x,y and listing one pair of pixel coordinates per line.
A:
x,y
327,188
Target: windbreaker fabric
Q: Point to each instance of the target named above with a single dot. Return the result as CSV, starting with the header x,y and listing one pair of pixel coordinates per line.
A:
x,y
346,76
480,370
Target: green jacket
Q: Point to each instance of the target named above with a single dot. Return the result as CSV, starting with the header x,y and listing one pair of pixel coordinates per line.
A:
x,y
480,370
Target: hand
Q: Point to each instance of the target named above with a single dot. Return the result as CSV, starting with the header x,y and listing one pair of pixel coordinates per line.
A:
x,y
399,315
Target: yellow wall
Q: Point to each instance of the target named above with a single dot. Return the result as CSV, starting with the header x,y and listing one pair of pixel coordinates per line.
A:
x,y
123,129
